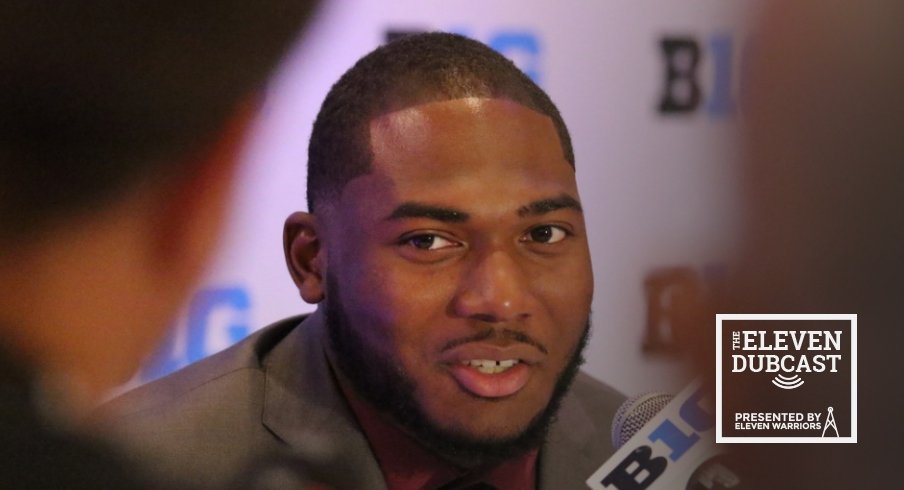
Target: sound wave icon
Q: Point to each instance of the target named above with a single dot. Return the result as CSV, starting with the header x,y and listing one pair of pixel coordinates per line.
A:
x,y
787,382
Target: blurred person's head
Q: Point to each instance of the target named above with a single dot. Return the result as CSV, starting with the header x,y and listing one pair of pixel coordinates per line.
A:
x,y
823,181
120,127
445,222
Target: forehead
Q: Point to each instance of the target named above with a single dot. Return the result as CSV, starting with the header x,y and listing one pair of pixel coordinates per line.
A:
x,y
463,146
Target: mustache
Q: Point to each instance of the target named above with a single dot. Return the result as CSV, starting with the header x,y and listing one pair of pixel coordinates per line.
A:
x,y
494,334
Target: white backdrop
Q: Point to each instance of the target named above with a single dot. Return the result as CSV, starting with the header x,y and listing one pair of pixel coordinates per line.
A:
x,y
657,188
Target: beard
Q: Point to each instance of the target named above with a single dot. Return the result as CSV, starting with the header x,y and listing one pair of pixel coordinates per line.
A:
x,y
386,385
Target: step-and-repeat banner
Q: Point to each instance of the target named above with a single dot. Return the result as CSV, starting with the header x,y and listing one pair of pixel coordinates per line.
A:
x,y
649,92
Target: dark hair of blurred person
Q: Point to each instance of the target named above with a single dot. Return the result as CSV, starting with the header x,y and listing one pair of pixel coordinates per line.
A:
x,y
120,126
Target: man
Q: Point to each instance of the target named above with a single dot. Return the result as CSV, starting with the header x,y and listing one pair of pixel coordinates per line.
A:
x,y
120,123
446,250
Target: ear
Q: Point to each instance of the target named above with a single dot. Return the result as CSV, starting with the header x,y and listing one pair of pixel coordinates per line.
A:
x,y
305,255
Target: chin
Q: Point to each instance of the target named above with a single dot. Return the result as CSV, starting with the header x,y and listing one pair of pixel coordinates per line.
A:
x,y
483,421
492,433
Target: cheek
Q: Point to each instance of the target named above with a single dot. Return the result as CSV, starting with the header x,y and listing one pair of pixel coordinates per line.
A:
x,y
393,305
568,309
566,288
391,297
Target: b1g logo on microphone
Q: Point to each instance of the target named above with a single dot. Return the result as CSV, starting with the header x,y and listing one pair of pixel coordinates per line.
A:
x,y
786,378
668,450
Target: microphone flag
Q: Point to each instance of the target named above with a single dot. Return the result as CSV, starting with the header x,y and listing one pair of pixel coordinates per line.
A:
x,y
666,451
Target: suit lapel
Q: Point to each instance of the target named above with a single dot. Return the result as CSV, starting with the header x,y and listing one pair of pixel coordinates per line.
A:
x,y
303,407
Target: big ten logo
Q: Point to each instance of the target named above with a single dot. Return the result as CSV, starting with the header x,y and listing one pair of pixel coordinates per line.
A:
x,y
522,46
679,300
669,440
217,317
701,73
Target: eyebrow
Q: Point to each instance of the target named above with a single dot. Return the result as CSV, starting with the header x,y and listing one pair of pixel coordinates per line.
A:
x,y
450,215
437,213
544,206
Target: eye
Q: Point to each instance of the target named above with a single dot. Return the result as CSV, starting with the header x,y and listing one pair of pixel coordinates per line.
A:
x,y
428,241
546,234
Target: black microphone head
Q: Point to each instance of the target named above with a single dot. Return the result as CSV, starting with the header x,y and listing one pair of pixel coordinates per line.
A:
x,y
634,413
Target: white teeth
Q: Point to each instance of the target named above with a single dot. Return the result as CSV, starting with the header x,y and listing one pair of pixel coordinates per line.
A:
x,y
487,366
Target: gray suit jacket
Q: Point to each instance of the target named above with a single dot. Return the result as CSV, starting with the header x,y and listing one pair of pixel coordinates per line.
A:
x,y
274,393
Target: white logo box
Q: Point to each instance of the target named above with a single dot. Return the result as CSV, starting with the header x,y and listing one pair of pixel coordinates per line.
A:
x,y
851,318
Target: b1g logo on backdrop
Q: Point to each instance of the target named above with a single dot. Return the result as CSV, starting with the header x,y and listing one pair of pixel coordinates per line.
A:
x,y
522,46
786,378
699,74
217,317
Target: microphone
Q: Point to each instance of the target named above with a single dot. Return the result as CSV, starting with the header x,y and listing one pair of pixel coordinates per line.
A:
x,y
664,442
634,413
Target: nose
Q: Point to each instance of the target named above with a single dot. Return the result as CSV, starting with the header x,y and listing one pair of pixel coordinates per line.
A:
x,y
494,288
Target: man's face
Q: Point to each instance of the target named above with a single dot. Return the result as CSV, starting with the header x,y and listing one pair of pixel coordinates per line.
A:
x,y
460,263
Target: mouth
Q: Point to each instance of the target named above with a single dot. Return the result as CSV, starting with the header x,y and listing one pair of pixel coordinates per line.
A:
x,y
487,366
491,379
489,371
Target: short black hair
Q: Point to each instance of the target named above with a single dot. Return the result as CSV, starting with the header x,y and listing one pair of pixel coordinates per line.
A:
x,y
413,70
96,95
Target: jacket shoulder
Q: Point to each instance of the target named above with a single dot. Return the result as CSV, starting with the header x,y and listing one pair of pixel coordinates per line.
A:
x,y
579,441
597,398
222,370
